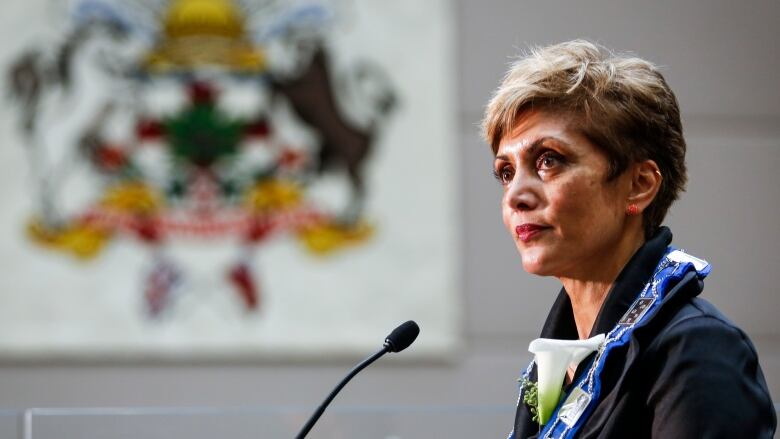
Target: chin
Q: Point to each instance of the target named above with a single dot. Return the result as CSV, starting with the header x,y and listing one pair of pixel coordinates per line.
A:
x,y
535,262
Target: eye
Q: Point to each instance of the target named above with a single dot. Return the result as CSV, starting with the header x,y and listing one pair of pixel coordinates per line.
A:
x,y
504,174
549,160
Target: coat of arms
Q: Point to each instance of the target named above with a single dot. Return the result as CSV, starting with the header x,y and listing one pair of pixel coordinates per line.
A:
x,y
197,120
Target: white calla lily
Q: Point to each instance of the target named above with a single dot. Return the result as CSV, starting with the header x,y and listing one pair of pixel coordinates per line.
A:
x,y
552,358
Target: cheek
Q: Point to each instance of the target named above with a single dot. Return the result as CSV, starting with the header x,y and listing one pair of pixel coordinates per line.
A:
x,y
569,201
577,203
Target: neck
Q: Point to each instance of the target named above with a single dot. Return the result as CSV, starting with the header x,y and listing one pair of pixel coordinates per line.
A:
x,y
586,300
587,294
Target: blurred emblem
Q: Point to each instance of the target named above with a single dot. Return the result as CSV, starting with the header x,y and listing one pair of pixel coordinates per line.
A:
x,y
197,119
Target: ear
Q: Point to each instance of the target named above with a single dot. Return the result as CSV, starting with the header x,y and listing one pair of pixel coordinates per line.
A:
x,y
645,182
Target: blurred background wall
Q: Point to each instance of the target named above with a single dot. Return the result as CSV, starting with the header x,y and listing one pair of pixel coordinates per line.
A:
x,y
720,57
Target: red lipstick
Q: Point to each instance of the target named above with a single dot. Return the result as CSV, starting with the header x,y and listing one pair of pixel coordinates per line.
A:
x,y
528,231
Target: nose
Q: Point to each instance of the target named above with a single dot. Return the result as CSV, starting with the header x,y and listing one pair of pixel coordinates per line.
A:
x,y
522,194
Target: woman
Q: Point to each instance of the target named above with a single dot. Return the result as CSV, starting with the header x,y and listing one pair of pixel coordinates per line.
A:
x,y
590,153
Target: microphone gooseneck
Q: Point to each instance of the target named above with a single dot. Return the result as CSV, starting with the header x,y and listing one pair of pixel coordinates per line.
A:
x,y
398,340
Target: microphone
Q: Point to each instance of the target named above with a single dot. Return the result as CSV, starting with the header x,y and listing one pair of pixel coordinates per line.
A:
x,y
402,336
398,340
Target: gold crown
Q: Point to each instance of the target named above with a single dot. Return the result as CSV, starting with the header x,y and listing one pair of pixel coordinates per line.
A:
x,y
218,18
198,33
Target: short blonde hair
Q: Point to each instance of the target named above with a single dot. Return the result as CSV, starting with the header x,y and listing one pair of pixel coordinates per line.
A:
x,y
620,103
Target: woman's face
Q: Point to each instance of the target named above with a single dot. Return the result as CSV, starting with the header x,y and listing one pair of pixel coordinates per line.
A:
x,y
558,206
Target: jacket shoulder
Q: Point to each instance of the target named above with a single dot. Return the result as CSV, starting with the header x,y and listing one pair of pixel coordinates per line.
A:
x,y
698,313
702,364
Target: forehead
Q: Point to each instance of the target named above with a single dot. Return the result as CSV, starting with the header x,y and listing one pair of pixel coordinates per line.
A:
x,y
533,125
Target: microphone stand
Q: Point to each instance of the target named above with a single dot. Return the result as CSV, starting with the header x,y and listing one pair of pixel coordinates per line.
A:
x,y
321,409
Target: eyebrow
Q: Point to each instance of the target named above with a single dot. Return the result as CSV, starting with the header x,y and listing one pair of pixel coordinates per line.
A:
x,y
534,146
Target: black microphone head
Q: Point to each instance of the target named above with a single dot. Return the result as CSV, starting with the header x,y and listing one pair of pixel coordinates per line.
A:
x,y
402,336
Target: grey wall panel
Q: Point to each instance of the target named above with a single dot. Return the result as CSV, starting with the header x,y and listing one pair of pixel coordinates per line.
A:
x,y
721,56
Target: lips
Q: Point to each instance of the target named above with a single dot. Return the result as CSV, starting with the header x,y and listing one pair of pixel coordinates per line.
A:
x,y
528,231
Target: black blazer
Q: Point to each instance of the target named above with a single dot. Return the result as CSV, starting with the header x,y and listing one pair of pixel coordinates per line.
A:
x,y
687,373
